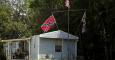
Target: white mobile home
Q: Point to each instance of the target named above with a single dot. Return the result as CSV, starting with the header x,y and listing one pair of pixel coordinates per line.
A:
x,y
56,45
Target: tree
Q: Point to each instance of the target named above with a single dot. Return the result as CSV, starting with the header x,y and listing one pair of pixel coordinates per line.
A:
x,y
13,20
13,23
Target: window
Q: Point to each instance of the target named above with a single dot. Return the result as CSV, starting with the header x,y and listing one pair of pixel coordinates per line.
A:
x,y
58,48
58,45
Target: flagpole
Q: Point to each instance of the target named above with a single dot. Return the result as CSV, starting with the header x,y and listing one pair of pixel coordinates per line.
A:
x,y
67,4
68,32
68,20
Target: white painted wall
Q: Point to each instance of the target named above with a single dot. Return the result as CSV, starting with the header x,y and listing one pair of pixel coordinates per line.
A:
x,y
46,48
40,47
34,48
69,49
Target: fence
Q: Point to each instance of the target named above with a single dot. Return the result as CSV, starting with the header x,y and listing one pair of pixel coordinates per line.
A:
x,y
16,49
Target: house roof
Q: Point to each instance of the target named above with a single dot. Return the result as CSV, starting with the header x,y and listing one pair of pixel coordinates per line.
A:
x,y
58,34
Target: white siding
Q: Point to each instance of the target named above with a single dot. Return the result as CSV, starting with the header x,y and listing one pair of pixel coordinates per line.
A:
x,y
69,49
34,48
40,47
47,47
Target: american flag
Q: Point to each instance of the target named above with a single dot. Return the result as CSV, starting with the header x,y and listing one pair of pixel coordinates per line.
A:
x,y
67,3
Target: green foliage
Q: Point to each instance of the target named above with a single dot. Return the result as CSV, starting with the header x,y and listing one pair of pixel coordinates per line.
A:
x,y
11,27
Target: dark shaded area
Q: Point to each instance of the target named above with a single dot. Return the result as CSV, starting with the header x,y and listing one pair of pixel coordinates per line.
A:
x,y
2,57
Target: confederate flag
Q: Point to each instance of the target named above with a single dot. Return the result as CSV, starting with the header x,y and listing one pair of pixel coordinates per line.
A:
x,y
48,24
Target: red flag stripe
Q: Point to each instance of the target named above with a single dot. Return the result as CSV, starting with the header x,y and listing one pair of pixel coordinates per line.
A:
x,y
48,23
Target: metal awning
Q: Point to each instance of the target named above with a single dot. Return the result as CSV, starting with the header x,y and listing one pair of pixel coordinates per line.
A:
x,y
14,40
